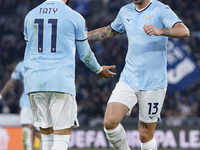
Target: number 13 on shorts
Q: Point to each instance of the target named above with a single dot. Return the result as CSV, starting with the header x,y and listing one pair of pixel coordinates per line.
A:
x,y
150,105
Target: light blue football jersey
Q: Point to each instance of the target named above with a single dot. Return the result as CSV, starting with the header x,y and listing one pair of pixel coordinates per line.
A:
x,y
51,30
145,66
18,74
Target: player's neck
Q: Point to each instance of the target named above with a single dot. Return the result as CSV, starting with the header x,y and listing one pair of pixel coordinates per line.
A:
x,y
143,6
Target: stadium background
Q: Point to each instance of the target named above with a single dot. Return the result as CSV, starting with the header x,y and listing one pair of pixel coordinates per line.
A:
x,y
181,110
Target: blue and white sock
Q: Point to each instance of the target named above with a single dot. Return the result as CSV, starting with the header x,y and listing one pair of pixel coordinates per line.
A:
x,y
117,137
47,141
150,145
61,142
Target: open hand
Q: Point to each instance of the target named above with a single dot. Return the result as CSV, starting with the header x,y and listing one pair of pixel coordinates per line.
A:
x,y
106,73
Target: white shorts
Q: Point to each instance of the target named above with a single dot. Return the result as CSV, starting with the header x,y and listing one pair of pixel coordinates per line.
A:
x,y
53,109
26,116
150,102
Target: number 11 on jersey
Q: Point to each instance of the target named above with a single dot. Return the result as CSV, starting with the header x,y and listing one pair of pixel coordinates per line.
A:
x,y
40,23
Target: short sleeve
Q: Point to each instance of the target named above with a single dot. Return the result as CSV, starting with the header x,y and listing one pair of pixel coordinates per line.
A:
x,y
169,18
16,74
81,30
117,24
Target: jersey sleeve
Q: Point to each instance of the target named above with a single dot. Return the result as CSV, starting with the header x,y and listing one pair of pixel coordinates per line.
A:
x,y
81,31
117,24
169,18
16,74
87,56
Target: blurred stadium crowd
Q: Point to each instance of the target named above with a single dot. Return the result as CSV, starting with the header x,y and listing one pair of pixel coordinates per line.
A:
x,y
93,92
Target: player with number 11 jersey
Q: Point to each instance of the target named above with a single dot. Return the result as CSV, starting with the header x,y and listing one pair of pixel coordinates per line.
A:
x,y
51,30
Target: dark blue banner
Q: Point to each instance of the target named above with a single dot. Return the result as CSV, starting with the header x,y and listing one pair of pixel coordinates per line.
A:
x,y
182,70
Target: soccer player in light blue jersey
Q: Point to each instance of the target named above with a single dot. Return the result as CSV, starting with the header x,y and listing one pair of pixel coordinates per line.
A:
x,y
26,117
53,32
148,24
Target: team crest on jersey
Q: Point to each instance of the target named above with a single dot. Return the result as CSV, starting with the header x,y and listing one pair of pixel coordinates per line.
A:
x,y
148,19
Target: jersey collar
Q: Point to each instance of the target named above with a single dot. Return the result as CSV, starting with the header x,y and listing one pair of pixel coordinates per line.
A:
x,y
140,10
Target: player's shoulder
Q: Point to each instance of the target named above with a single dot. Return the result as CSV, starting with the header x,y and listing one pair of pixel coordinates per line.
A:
x,y
75,17
32,11
28,14
129,6
159,5
77,14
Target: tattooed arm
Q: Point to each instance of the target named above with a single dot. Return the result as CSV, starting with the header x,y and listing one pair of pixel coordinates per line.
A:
x,y
178,31
101,34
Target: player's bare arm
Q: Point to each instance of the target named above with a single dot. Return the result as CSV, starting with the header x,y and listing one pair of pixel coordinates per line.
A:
x,y
178,31
101,33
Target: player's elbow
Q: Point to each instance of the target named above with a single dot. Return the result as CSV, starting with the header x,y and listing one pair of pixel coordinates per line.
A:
x,y
183,33
181,30
187,33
